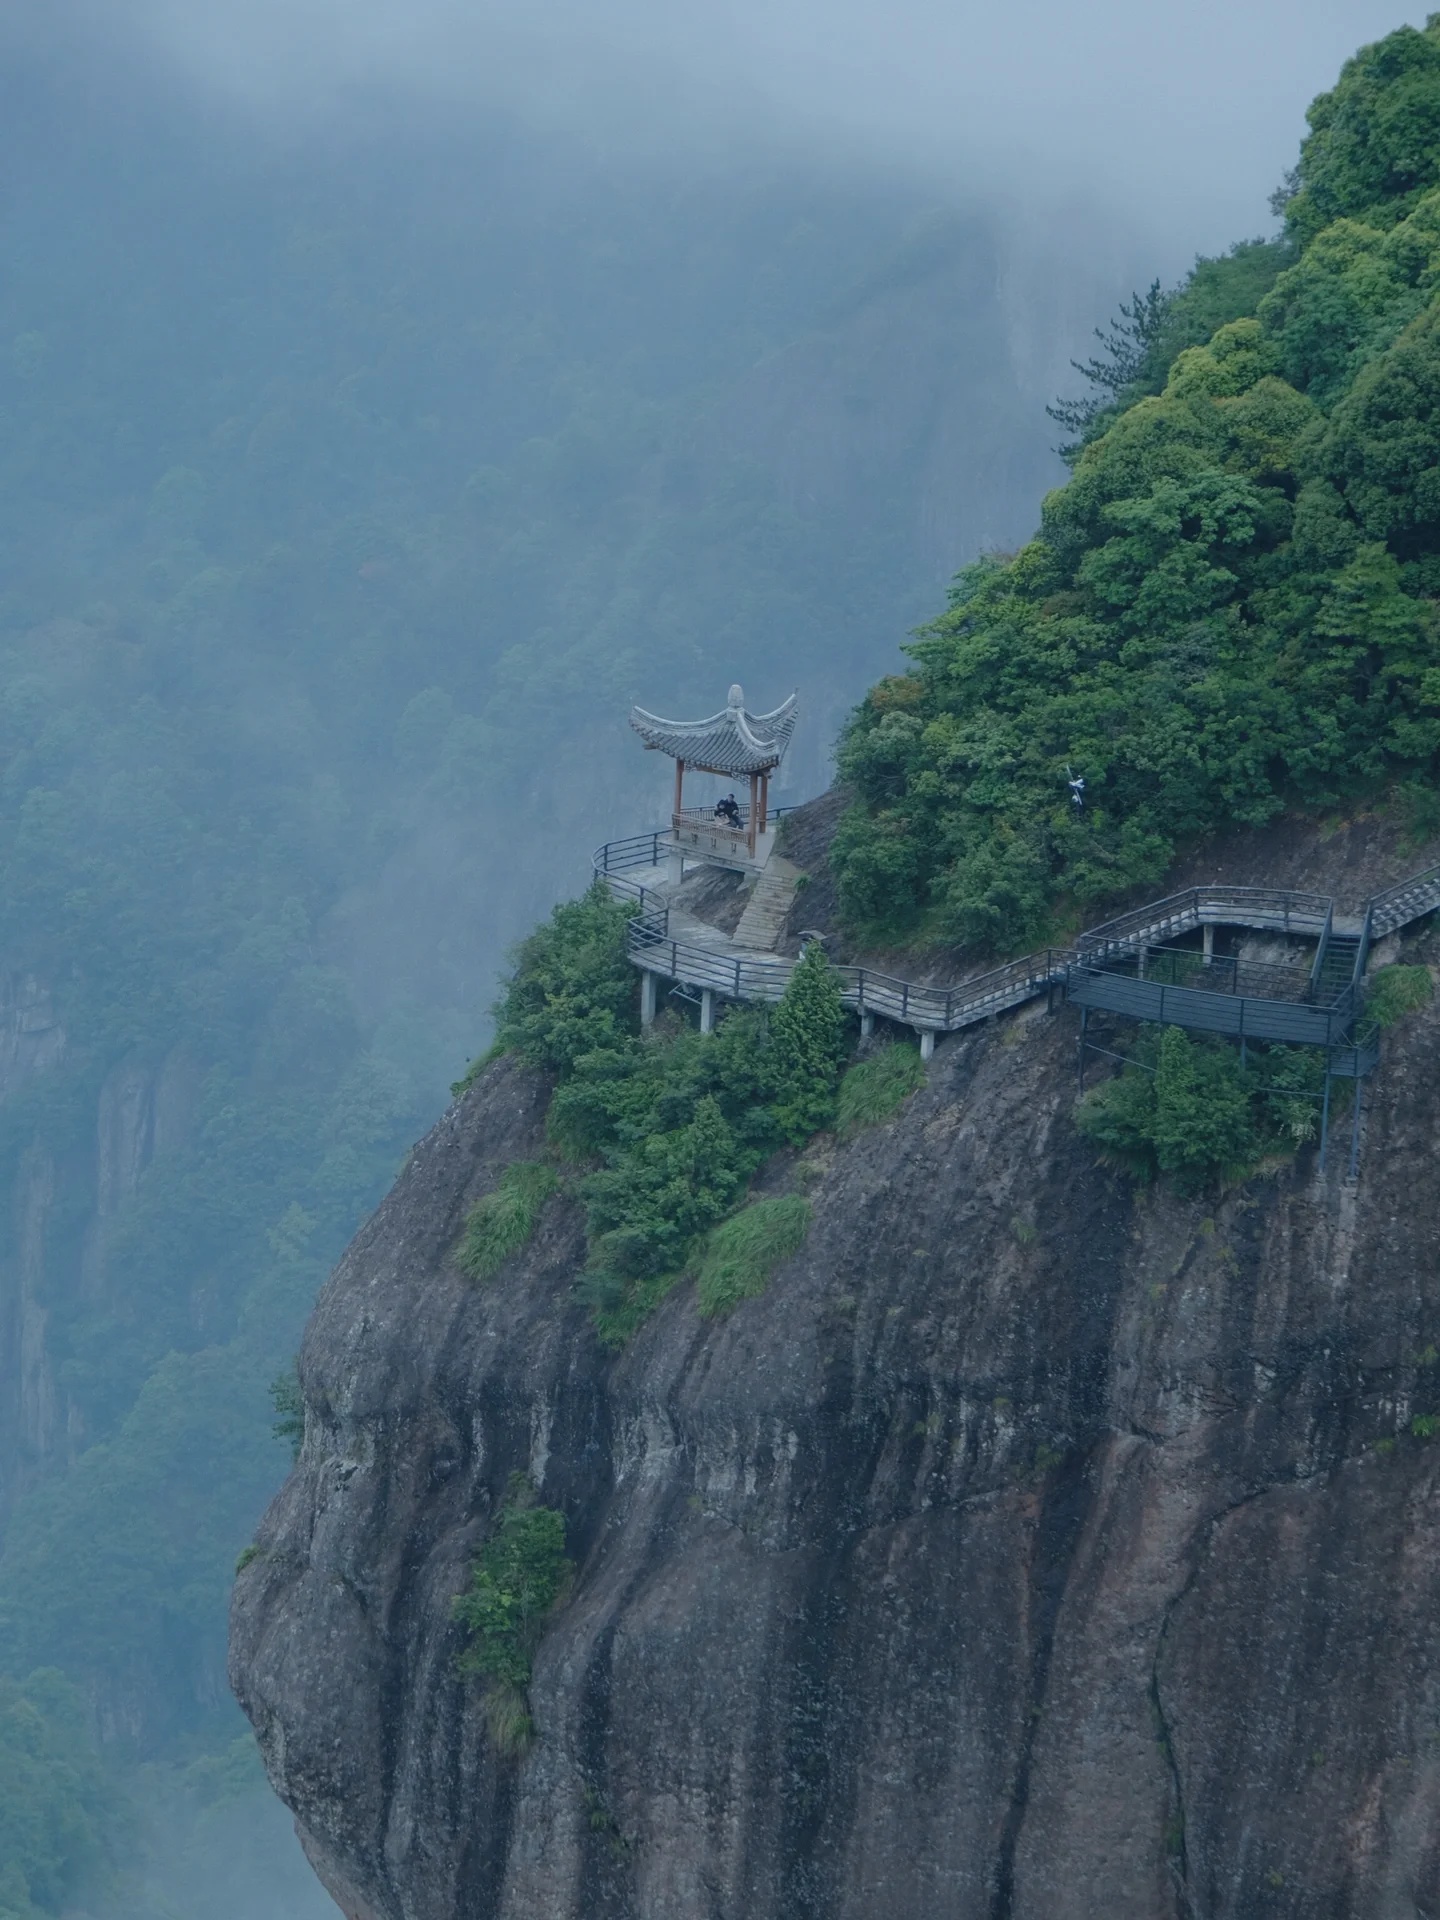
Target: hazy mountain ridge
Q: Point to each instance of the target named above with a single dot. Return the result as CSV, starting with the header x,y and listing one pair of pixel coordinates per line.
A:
x,y
353,485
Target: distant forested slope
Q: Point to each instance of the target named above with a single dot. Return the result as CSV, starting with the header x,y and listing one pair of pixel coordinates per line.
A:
x,y
1231,608
351,486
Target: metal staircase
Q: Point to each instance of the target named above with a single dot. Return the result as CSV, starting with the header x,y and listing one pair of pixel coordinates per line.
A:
x,y
1410,900
1334,968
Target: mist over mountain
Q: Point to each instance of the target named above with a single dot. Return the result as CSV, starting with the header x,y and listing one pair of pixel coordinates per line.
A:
x,y
389,400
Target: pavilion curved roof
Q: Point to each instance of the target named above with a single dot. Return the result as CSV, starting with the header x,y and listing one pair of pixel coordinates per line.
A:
x,y
732,741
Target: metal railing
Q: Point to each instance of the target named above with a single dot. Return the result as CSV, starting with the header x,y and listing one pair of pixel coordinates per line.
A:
x,y
1277,909
1238,1015
1321,944
1243,998
1214,973
764,977
617,859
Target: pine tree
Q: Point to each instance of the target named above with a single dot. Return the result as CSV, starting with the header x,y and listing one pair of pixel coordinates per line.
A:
x,y
1125,351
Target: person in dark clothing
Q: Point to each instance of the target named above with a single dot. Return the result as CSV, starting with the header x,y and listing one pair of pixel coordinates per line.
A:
x,y
728,811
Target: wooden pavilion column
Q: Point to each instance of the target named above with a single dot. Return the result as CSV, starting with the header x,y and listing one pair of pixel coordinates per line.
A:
x,y
754,809
679,785
764,800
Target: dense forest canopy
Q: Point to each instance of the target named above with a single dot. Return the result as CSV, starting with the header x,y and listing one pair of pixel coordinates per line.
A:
x,y
1230,608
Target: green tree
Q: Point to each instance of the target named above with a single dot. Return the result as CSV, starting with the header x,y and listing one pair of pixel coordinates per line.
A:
x,y
1126,347
807,1047
572,990
1202,1123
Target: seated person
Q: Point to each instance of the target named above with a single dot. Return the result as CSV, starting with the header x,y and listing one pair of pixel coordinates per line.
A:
x,y
728,811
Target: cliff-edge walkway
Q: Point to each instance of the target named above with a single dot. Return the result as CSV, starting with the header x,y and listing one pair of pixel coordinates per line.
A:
x,y
1127,966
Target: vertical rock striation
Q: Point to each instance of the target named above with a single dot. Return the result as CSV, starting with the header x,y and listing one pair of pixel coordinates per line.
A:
x,y
1030,1551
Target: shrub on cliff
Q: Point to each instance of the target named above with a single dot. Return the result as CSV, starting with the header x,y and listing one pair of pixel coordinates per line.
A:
x,y
1190,1110
1394,992
1230,608
678,1121
572,990
520,1576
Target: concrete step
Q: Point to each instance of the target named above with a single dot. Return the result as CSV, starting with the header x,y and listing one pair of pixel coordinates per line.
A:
x,y
768,907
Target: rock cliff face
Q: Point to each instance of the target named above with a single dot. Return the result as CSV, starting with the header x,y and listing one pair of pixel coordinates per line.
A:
x,y
1032,1550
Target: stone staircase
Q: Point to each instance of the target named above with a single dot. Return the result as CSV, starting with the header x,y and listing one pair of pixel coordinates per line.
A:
x,y
768,907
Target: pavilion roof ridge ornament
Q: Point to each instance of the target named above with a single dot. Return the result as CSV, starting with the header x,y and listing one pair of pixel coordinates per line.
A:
x,y
732,742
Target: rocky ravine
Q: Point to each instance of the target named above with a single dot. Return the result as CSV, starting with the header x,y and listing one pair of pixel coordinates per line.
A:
x,y
1026,1553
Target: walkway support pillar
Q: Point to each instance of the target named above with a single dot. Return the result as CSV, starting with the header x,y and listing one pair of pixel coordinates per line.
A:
x,y
647,998
1325,1116
707,1010
867,1025
1209,933
927,1042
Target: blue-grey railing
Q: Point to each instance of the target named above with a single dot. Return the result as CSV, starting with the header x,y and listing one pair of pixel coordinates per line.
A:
x,y
763,977
1241,1016
1320,946
1101,971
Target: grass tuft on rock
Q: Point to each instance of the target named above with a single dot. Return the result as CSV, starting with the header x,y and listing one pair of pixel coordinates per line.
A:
x,y
505,1220
873,1089
740,1254
1393,992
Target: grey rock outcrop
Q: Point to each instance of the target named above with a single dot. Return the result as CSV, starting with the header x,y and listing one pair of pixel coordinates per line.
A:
x,y
1032,1550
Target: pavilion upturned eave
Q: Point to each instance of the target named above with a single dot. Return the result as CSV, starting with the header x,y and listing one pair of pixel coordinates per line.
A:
x,y
732,743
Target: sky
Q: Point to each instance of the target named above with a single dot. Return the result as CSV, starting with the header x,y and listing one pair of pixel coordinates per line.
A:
x,y
1179,118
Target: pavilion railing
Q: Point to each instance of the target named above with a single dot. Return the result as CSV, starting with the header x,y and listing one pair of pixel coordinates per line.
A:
x,y
708,817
